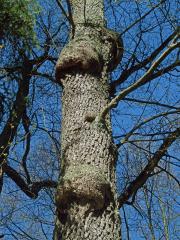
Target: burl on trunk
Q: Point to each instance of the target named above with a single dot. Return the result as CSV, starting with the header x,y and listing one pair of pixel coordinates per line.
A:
x,y
86,195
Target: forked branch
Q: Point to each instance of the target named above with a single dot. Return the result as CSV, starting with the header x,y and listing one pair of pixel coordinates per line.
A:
x,y
143,80
141,179
131,132
31,190
126,73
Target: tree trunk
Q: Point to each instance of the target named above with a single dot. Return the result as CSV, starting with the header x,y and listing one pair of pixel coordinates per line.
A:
x,y
86,196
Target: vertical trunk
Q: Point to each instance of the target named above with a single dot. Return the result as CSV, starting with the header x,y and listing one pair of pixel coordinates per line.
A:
x,y
86,195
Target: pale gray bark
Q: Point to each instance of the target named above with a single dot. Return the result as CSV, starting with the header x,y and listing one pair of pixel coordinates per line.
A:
x,y
86,196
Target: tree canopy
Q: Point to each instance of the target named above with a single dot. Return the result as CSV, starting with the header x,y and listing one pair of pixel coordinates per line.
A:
x,y
17,20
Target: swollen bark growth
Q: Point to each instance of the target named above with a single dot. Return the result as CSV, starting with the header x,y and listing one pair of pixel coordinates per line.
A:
x,y
86,196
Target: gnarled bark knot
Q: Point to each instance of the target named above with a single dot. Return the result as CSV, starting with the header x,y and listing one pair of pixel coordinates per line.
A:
x,y
85,184
90,53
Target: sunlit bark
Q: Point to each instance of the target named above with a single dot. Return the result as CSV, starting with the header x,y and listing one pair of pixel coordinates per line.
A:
x,y
86,197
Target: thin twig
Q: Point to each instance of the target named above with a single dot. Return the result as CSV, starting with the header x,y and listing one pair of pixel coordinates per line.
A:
x,y
141,179
143,80
146,121
141,18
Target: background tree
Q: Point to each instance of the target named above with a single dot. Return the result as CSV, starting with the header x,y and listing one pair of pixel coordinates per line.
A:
x,y
150,114
17,21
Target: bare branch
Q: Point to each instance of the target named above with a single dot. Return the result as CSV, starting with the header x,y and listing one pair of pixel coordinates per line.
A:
x,y
143,80
69,18
145,134
62,9
126,224
144,122
1,179
26,124
140,180
19,106
142,17
127,72
151,103
10,128
9,131
30,190
169,174
44,75
162,71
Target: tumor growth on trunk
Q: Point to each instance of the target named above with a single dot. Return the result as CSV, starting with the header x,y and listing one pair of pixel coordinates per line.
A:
x,y
86,196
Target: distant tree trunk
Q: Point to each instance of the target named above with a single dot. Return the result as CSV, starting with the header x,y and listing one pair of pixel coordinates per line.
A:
x,y
86,196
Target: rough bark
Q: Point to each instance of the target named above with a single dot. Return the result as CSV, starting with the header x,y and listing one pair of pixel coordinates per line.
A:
x,y
86,196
